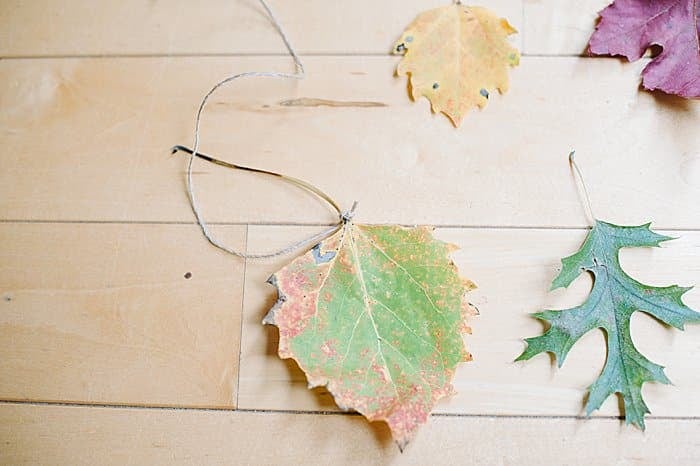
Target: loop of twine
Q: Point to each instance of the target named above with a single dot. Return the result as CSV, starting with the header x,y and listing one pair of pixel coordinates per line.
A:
x,y
344,217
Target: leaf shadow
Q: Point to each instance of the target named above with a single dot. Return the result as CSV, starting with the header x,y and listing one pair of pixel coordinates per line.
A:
x,y
669,101
409,88
382,434
586,50
620,408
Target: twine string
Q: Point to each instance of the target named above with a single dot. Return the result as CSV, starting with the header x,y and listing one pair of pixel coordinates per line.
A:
x,y
194,153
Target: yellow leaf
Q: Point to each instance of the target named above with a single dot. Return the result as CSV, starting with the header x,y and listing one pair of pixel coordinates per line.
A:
x,y
455,55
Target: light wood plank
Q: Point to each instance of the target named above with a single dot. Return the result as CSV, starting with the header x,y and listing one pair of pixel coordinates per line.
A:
x,y
105,313
559,27
513,269
138,27
106,125
81,435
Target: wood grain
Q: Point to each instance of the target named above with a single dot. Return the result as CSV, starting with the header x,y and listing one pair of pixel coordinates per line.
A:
x,y
78,435
97,237
142,27
105,313
106,127
513,270
559,27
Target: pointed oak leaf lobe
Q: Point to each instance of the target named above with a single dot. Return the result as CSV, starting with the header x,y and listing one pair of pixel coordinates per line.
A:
x,y
454,55
629,27
614,298
376,314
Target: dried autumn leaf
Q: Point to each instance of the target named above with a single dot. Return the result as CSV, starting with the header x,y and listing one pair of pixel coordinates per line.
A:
x,y
455,56
376,314
629,27
614,298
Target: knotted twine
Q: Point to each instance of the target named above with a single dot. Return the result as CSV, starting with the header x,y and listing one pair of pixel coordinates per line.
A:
x,y
343,216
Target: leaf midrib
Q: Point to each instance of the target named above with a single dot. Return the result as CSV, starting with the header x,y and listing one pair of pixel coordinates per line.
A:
x,y
356,260
367,310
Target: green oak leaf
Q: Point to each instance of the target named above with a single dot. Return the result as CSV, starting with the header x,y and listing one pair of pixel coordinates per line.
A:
x,y
614,298
375,314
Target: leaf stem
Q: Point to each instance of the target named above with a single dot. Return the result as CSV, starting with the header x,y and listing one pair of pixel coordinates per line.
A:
x,y
578,175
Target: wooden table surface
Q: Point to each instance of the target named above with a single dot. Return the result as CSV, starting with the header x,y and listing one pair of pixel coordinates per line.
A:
x,y
109,354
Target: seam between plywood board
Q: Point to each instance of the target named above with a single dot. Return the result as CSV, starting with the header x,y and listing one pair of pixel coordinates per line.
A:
x,y
93,435
312,224
136,314
249,55
329,413
264,381
240,331
640,155
513,270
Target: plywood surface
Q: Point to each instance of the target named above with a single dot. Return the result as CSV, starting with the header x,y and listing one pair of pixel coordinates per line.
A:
x,y
125,338
107,126
71,435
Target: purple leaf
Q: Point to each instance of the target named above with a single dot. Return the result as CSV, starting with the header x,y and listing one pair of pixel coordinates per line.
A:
x,y
629,27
